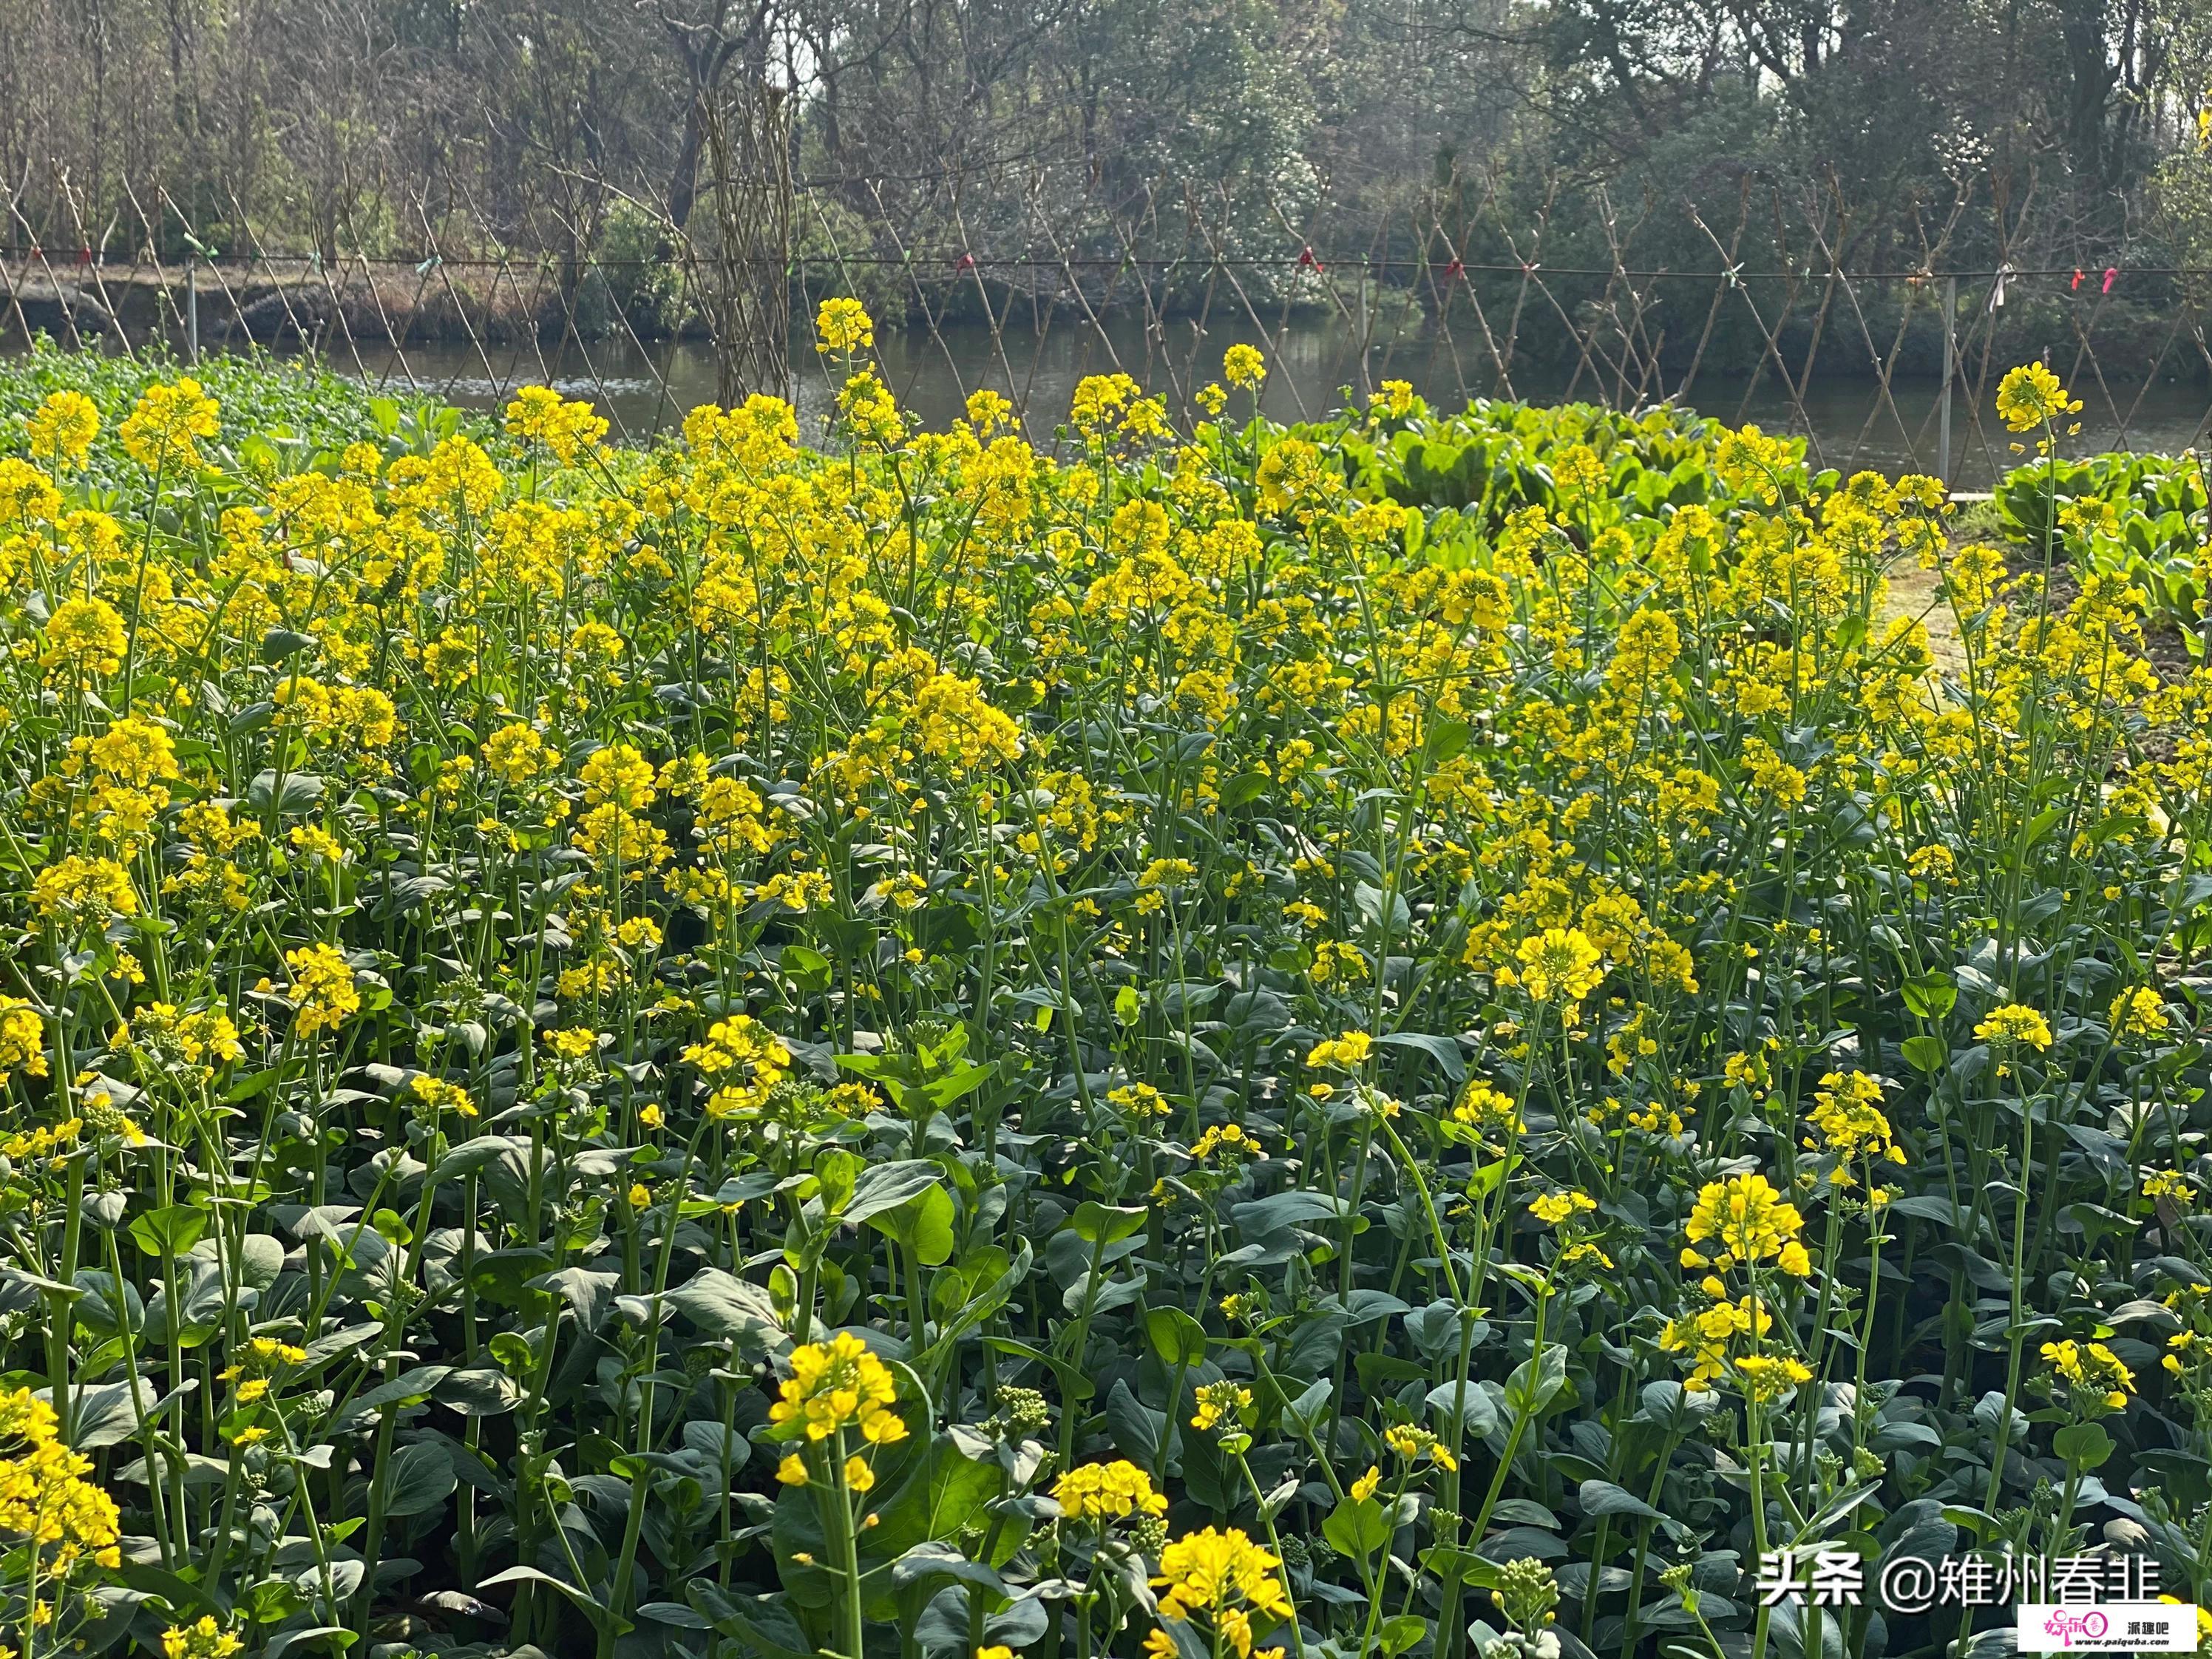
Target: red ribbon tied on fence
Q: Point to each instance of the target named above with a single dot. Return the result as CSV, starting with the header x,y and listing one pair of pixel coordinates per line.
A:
x,y
84,256
966,262
2111,275
1454,272
2075,286
1307,262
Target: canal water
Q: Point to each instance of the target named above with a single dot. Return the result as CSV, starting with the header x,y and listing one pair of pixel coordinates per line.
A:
x,y
1849,424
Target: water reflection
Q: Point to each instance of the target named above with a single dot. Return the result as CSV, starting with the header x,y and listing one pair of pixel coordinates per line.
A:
x,y
1314,366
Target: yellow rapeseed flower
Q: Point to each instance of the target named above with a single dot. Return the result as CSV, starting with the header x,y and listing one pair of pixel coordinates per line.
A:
x,y
836,1385
2015,1023
1242,366
162,428
61,428
1743,1219
1100,1493
843,326
322,988
2030,396
1559,965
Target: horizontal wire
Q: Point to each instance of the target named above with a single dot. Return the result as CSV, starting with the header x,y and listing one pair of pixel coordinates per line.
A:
x,y
963,262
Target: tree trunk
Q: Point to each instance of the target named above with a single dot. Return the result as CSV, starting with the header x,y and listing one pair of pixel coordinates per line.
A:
x,y
684,186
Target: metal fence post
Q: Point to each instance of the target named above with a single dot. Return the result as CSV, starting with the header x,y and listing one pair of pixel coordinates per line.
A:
x,y
192,308
1950,362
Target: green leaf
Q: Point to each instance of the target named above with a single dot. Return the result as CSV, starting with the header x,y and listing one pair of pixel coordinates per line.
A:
x,y
936,1497
1475,1407
1535,1381
933,1562
2083,1445
923,1224
1929,1208
170,1232
481,1390
1458,1565
1356,1527
1602,1497
107,1415
1441,1049
1262,1216
886,1186
759,1625
1401,1631
806,968
1104,1223
1484,1181
1243,789
589,1605
1304,1415
732,1309
1179,1340
279,643
1931,996
419,1480
1445,740
1924,1054
411,1387
297,792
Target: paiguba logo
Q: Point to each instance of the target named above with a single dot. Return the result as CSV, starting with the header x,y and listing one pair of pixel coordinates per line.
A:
x,y
2071,1625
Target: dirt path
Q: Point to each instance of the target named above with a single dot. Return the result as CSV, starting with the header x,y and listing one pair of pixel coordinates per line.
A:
x,y
1918,594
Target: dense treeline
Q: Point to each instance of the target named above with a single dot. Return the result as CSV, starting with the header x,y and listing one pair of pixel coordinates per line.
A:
x,y
1892,134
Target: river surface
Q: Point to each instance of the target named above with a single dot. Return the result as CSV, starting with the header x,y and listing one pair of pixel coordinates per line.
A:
x,y
1849,423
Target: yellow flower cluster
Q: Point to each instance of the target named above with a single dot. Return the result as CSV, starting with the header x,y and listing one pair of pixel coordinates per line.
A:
x,y
85,635
67,1522
83,892
836,1385
1220,1402
162,431
1558,965
843,326
61,428
1101,1493
2015,1022
1225,1576
1486,1109
206,1640
1765,1378
538,415
2031,396
2140,1013
1707,1337
22,1039
1347,1052
200,1036
322,990
1555,1208
1744,1221
439,1094
1231,1140
1411,1441
1848,1120
744,1061
2091,1373
1243,366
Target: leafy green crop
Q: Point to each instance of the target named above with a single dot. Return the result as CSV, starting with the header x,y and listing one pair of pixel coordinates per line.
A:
x,y
1423,1034
2139,517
